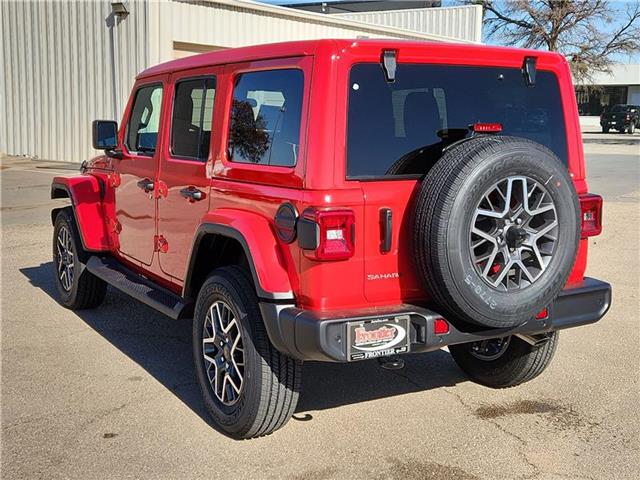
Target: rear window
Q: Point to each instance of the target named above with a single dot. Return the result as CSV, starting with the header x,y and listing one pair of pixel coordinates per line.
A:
x,y
401,128
192,116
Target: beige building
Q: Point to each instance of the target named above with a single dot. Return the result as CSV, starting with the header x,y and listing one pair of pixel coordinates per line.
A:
x,y
67,63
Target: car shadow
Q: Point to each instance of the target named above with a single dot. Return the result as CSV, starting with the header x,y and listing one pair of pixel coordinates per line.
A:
x,y
614,139
163,348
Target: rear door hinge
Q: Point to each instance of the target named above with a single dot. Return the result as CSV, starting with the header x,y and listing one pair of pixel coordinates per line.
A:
x,y
160,244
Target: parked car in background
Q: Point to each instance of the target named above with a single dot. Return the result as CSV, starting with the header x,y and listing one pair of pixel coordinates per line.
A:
x,y
624,118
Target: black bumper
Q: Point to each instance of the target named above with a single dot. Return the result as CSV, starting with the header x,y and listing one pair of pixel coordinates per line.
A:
x,y
615,123
321,336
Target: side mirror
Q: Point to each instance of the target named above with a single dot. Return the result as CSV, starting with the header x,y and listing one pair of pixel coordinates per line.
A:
x,y
105,134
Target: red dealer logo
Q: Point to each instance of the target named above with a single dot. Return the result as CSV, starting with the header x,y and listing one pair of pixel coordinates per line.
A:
x,y
382,334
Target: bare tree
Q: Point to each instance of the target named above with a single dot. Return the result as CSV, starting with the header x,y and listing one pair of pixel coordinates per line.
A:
x,y
588,32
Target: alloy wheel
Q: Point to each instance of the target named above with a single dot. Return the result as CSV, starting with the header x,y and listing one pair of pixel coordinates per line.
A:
x,y
65,258
223,353
514,232
489,349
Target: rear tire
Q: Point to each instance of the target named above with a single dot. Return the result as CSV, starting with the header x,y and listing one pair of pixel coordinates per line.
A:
x,y
632,128
519,362
605,129
262,384
79,289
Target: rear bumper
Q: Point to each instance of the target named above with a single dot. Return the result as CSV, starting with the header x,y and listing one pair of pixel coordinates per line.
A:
x,y
321,336
615,123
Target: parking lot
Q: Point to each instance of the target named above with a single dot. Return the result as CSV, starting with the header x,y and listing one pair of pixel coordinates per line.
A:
x,y
110,393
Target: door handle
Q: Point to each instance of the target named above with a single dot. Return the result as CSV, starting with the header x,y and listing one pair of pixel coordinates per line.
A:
x,y
386,221
146,184
192,194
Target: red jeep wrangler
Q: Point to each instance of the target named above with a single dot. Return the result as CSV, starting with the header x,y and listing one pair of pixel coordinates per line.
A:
x,y
340,200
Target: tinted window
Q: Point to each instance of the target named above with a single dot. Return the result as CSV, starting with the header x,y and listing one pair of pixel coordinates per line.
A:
x,y
192,116
401,128
142,130
265,117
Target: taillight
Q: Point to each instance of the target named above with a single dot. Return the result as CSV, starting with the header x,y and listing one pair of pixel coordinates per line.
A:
x,y
628,117
329,233
591,207
487,127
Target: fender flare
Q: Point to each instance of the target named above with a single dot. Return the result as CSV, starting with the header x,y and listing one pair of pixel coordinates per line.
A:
x,y
86,194
253,232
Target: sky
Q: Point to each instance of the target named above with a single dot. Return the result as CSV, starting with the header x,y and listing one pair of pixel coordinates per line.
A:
x,y
617,5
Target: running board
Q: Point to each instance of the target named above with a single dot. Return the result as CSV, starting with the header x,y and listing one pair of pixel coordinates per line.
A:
x,y
139,287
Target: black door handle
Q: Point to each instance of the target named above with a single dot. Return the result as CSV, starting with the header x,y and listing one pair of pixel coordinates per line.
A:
x,y
192,194
146,184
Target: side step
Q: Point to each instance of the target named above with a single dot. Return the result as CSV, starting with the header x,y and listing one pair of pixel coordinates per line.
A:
x,y
139,287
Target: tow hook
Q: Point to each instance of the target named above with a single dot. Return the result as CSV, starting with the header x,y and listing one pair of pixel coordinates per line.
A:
x,y
391,363
536,339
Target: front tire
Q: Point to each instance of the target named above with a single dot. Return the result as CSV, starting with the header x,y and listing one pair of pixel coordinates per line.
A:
x,y
504,362
79,289
249,388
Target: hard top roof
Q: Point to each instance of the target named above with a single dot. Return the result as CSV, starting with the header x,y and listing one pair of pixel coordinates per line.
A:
x,y
309,47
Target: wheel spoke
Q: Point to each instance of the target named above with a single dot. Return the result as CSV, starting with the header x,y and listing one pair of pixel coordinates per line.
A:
x,y
489,213
538,256
526,271
484,235
491,259
503,273
233,384
232,323
545,230
209,359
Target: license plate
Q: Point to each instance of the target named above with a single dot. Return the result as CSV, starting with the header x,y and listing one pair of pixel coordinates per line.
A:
x,y
377,338
613,123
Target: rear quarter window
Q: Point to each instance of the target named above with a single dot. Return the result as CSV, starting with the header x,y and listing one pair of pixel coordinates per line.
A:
x,y
401,128
265,117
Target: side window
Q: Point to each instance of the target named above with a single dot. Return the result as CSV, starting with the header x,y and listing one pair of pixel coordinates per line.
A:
x,y
144,122
265,117
192,117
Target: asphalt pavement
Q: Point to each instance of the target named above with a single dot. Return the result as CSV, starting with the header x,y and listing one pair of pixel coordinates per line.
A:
x,y
110,393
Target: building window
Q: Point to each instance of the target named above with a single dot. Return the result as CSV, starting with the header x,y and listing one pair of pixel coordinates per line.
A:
x,y
192,117
144,122
265,117
593,100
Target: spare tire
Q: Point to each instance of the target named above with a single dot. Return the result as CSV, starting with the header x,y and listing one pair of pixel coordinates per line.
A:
x,y
496,230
